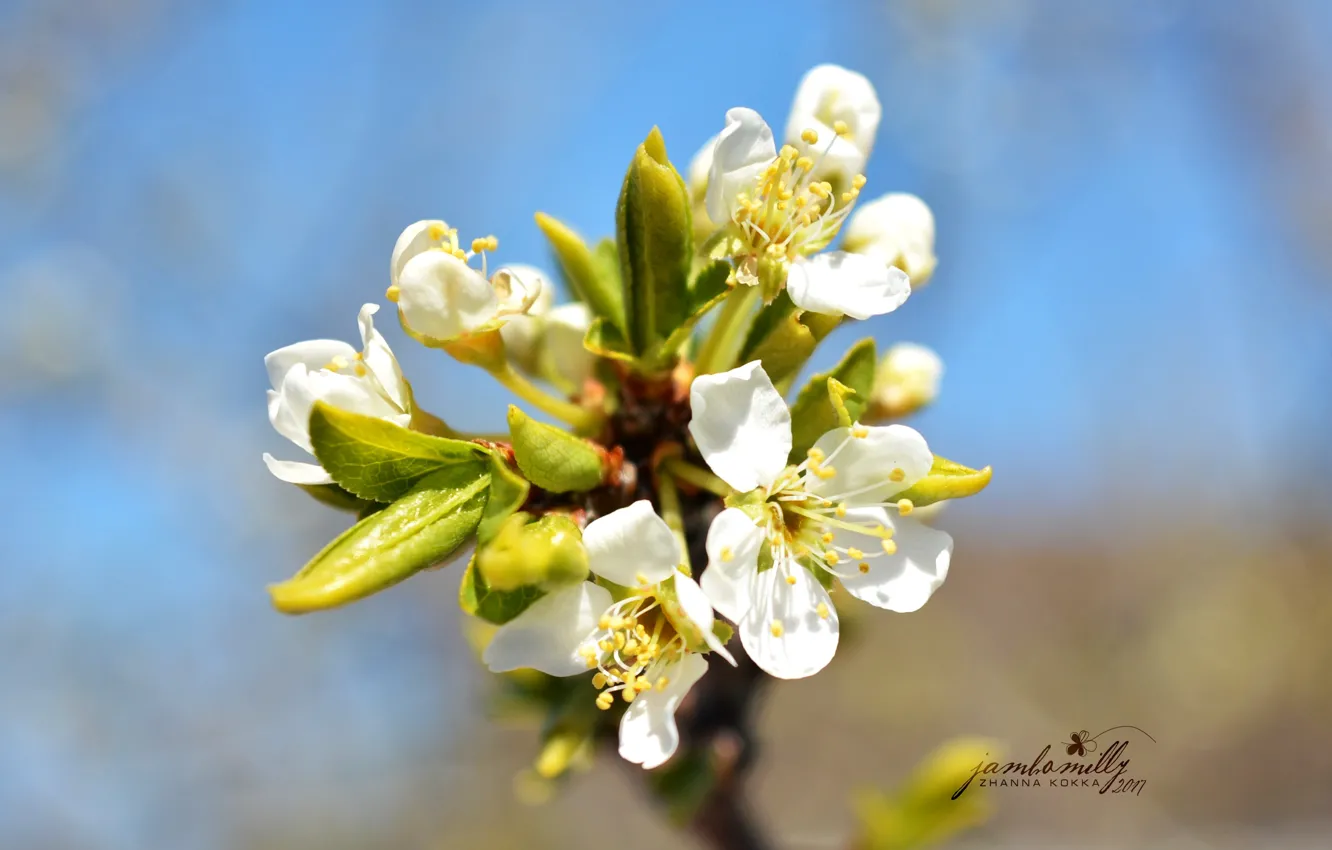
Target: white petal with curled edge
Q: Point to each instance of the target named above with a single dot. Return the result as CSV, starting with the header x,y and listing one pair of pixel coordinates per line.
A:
x,y
313,354
694,602
379,359
743,149
842,284
783,632
416,239
741,425
548,635
733,545
864,462
441,297
562,345
632,546
905,580
700,167
648,734
295,472
285,420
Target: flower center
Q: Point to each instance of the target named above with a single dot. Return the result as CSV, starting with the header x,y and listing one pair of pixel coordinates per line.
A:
x,y
803,525
631,648
446,240
789,214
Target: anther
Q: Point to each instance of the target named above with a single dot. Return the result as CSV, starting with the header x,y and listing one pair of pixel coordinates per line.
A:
x,y
810,137
599,681
641,579
662,683
904,506
853,552
863,566
777,629
860,432
822,610
898,474
858,182
604,700
890,547
831,558
827,537
840,128
392,294
436,232
840,510
791,580
479,245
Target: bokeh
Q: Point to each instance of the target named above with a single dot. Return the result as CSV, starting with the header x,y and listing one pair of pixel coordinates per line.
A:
x,y
1134,298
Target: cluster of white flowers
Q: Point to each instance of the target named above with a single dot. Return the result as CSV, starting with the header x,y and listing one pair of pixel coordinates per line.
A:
x,y
791,530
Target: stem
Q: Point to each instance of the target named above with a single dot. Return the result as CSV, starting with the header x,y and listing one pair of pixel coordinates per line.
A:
x,y
722,344
699,477
580,418
670,512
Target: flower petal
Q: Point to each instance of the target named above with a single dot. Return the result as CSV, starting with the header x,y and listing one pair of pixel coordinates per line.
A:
x,y
828,94
741,425
379,359
562,345
905,580
700,167
842,284
295,472
441,297
859,463
786,632
695,605
897,229
521,332
313,354
632,546
548,635
416,239
743,149
733,546
648,734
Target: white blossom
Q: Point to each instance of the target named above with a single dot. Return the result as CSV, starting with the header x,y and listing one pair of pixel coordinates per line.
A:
x,y
441,297
368,382
644,645
780,217
834,514
907,379
830,97
896,229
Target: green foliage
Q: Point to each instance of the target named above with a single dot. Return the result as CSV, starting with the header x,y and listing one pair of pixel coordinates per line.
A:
x,y
417,531
654,234
922,812
707,290
552,458
494,606
816,409
594,280
547,552
336,497
947,480
782,338
377,460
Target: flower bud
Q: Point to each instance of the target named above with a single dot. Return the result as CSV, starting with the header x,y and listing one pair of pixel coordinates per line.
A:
x,y
907,379
898,229
547,553
831,97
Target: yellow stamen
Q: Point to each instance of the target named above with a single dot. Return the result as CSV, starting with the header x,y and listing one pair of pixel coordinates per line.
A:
x,y
822,610
840,128
810,137
777,629
392,294
904,506
898,474
889,547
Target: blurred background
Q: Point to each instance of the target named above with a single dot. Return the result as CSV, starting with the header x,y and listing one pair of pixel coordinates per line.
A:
x,y
1134,202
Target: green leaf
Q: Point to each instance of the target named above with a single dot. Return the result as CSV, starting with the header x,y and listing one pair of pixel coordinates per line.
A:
x,y
707,291
494,606
605,340
417,531
336,497
508,491
947,480
588,275
378,460
814,414
552,458
655,236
